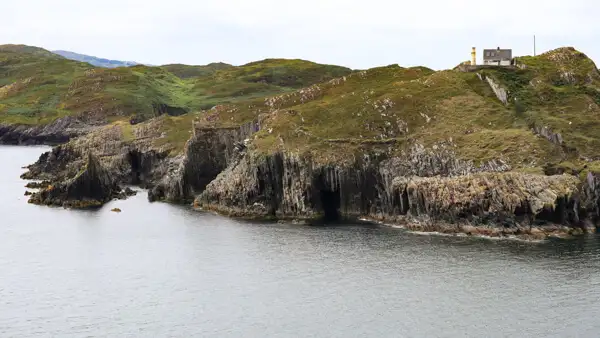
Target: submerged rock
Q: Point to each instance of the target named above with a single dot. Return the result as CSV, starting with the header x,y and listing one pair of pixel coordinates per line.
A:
x,y
91,187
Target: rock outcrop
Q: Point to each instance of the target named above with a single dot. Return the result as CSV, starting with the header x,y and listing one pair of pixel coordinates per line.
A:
x,y
129,163
500,92
207,154
57,132
91,187
547,133
424,190
293,186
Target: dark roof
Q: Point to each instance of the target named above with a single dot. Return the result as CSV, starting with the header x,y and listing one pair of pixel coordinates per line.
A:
x,y
497,54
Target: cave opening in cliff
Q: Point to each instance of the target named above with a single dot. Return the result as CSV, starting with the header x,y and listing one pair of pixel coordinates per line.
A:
x,y
330,202
135,161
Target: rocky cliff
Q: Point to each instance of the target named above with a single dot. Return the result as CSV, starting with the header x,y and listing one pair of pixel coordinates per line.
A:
x,y
437,192
57,132
207,153
473,152
92,186
295,186
110,150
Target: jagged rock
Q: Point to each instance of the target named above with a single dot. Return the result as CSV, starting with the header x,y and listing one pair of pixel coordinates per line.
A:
x,y
37,185
285,185
54,164
207,154
544,131
500,92
138,163
125,193
92,186
427,190
57,132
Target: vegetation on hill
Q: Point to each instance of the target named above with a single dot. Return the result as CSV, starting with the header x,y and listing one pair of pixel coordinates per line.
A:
x,y
395,108
328,111
37,87
186,71
24,49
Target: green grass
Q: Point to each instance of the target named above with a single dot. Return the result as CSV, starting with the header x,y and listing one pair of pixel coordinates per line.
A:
x,y
329,112
397,107
177,131
37,86
186,71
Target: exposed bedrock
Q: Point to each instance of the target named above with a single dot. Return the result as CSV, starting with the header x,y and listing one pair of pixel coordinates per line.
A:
x,y
286,185
125,162
57,132
206,154
92,186
128,165
426,190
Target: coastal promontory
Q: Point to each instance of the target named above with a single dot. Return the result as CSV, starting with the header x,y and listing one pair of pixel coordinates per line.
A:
x,y
497,150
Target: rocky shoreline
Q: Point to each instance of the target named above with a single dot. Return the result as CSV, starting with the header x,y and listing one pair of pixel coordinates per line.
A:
x,y
423,189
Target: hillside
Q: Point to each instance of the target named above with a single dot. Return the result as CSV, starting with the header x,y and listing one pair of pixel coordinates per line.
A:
x,y
186,71
555,93
291,138
38,87
302,103
94,61
31,50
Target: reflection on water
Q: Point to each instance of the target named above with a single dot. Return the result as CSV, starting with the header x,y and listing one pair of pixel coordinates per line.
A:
x,y
162,270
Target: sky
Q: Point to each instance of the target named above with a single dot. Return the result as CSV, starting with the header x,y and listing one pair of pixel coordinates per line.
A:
x,y
355,33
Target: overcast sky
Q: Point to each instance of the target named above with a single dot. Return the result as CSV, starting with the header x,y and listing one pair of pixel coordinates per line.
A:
x,y
354,33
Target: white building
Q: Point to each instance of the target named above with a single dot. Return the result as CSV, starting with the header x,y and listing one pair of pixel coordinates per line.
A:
x,y
497,57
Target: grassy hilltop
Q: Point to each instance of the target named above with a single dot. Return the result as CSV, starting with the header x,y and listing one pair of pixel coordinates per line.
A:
x,y
395,107
329,111
37,86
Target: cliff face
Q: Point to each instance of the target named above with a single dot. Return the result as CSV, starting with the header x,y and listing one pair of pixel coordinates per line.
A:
x,y
207,153
57,132
423,190
125,161
438,151
92,186
293,186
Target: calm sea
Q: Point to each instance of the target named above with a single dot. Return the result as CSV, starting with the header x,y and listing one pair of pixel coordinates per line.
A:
x,y
158,270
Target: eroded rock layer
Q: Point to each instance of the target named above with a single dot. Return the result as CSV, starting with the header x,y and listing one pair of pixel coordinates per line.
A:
x,y
92,186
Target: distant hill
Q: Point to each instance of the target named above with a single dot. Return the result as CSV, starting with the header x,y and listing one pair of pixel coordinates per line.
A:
x,y
547,112
67,87
95,61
